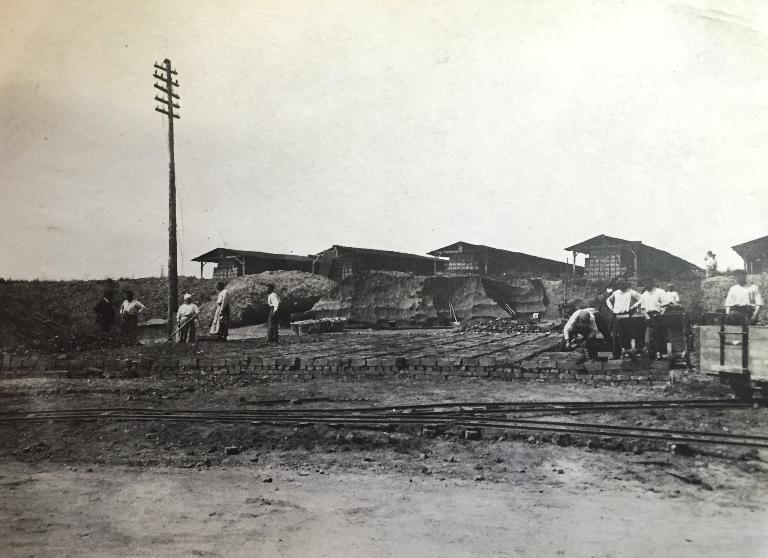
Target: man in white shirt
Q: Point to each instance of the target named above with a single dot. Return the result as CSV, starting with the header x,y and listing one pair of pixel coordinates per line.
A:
x,y
185,319
129,312
272,323
672,298
582,322
623,302
652,304
743,299
220,324
710,264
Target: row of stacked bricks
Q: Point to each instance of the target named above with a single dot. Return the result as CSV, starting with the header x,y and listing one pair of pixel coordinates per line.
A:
x,y
551,368
570,368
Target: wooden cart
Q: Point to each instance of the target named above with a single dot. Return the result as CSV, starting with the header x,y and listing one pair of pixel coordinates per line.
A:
x,y
737,353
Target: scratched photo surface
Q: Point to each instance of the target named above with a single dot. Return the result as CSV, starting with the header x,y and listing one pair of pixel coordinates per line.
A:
x,y
420,212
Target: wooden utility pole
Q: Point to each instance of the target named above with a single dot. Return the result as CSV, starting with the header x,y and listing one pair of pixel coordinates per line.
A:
x,y
165,74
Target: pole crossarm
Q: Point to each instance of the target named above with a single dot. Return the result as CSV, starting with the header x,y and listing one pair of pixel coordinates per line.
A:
x,y
158,109
164,79
164,69
166,91
166,101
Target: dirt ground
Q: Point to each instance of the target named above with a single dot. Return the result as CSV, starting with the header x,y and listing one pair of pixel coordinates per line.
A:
x,y
172,489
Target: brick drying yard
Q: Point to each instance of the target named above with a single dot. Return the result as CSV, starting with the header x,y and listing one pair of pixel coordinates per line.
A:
x,y
435,355
241,449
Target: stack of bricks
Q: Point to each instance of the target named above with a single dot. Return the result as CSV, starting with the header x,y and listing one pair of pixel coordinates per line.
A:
x,y
548,368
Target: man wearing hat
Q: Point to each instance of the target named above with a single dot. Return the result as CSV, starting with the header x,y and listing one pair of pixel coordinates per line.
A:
x,y
185,319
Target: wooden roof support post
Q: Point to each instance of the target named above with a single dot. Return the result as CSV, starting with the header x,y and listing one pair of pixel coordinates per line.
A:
x,y
634,254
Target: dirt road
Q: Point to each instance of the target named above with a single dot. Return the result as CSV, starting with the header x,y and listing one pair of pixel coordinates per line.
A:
x,y
47,511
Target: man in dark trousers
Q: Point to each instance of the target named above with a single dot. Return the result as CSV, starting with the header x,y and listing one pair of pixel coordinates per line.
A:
x,y
272,323
105,312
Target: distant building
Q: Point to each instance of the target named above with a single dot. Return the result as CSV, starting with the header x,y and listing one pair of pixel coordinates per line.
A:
x,y
470,259
609,257
755,254
234,263
340,262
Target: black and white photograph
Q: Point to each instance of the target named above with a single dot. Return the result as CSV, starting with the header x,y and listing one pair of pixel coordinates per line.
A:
x,y
383,278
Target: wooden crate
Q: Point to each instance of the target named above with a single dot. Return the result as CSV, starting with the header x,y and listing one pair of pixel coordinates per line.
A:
x,y
709,351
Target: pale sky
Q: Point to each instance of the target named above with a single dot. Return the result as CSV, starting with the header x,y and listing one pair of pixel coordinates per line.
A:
x,y
407,126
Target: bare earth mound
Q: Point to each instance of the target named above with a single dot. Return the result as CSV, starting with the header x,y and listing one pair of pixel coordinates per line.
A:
x,y
297,290
377,297
33,312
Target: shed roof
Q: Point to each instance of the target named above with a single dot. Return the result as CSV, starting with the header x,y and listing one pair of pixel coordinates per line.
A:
x,y
649,254
503,254
218,254
338,249
756,247
599,240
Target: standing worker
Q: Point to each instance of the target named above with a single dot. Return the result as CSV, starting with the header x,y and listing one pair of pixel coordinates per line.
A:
x,y
105,311
622,302
652,304
185,319
129,312
672,298
604,318
744,300
582,322
220,324
272,324
710,263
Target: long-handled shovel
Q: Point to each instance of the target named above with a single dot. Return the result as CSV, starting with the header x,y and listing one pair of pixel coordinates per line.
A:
x,y
172,335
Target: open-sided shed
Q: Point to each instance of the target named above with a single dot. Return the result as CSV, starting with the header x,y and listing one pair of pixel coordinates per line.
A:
x,y
234,263
340,262
470,259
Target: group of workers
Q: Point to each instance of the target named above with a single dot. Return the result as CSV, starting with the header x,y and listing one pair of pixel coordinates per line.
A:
x,y
186,316
613,316
129,312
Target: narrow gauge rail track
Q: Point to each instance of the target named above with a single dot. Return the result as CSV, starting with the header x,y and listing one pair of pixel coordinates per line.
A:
x,y
383,420
474,408
526,406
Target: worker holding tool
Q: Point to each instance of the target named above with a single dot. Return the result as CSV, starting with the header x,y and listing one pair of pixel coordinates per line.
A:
x,y
272,324
220,323
622,303
744,300
582,322
185,319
